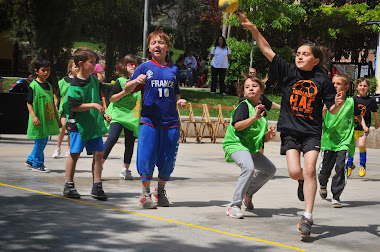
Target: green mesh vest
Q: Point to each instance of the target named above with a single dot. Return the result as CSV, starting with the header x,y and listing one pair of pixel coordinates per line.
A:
x,y
63,87
43,106
249,139
126,111
90,123
338,129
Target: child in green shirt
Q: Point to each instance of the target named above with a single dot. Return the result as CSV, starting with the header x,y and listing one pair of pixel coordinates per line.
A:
x,y
85,123
43,116
242,143
337,142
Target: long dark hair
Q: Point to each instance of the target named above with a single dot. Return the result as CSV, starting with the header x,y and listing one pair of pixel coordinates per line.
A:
x,y
217,42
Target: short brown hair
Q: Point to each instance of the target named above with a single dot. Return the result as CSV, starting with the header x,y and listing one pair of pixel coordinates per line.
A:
x,y
121,66
83,54
161,34
344,77
360,80
240,85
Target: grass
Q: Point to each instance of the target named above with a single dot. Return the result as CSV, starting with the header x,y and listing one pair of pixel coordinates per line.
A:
x,y
8,83
92,46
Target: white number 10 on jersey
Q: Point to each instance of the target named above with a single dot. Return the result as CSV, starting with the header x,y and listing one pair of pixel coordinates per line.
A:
x,y
166,92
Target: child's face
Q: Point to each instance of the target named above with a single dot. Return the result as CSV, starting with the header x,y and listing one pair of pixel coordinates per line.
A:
x,y
87,66
252,90
43,73
362,88
339,84
158,48
74,69
131,67
305,59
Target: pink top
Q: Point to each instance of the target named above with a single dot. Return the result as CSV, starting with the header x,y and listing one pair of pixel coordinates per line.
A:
x,y
98,68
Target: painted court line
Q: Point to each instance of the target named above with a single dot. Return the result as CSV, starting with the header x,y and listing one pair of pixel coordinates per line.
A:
x,y
155,217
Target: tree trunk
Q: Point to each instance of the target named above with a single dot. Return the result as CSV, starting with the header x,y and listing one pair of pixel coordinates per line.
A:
x,y
110,45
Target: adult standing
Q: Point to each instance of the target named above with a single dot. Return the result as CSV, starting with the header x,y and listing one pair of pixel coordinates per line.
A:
x,y
220,54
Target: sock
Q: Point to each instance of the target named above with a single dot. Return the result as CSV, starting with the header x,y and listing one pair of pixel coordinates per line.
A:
x,y
97,182
160,188
363,156
308,215
350,161
69,182
146,190
124,169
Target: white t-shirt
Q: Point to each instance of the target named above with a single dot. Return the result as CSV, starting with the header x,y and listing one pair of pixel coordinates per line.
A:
x,y
220,59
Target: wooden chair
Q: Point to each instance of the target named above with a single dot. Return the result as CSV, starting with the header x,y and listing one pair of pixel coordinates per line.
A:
x,y
206,125
220,122
191,121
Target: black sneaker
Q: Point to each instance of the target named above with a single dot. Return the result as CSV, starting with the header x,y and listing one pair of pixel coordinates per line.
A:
x,y
70,192
97,192
323,191
304,226
300,190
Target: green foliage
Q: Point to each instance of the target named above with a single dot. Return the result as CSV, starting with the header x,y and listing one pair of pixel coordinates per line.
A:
x,y
278,14
8,83
238,62
373,85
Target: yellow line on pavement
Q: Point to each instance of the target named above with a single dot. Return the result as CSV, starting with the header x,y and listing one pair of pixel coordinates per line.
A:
x,y
155,217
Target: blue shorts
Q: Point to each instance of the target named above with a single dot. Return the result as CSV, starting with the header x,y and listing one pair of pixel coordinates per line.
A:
x,y
156,147
76,144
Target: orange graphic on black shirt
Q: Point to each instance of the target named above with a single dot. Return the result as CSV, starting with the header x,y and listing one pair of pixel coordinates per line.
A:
x,y
49,111
302,98
363,110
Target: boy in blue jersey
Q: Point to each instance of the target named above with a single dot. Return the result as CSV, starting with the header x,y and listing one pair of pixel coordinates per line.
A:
x,y
159,131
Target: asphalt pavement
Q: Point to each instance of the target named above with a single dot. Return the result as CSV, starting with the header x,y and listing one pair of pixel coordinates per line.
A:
x,y
34,216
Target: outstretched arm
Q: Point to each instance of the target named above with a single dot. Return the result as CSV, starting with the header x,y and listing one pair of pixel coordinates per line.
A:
x,y
262,43
376,116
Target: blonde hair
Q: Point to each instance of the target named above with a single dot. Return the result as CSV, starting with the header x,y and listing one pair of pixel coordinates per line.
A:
x,y
70,65
344,77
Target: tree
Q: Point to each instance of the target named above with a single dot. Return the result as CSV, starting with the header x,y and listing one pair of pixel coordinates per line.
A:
x,y
42,28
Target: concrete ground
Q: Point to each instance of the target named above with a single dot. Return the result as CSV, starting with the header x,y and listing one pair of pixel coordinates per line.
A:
x,y
35,217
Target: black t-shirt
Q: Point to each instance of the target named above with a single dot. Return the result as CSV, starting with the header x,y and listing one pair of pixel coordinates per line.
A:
x,y
74,102
29,98
241,112
303,96
116,88
266,102
366,106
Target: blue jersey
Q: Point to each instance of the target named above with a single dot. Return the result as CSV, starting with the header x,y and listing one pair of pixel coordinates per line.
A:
x,y
159,108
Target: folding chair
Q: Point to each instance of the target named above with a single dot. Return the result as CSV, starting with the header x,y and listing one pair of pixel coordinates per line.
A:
x,y
191,121
206,124
221,122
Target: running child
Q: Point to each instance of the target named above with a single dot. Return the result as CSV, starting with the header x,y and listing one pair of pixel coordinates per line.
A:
x,y
366,105
338,142
305,87
125,112
60,95
43,116
242,143
159,129
85,123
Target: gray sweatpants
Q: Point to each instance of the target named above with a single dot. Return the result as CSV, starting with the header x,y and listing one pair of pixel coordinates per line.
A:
x,y
256,170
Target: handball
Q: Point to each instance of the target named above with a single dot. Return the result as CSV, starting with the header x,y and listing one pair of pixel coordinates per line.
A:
x,y
228,6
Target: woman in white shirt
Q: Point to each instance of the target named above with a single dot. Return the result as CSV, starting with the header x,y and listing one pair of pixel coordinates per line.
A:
x,y
220,54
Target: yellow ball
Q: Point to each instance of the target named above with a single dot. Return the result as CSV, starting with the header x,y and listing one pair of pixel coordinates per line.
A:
x,y
228,6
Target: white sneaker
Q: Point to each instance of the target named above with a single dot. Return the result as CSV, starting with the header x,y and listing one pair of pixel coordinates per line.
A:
x,y
234,212
56,153
126,174
67,152
336,203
